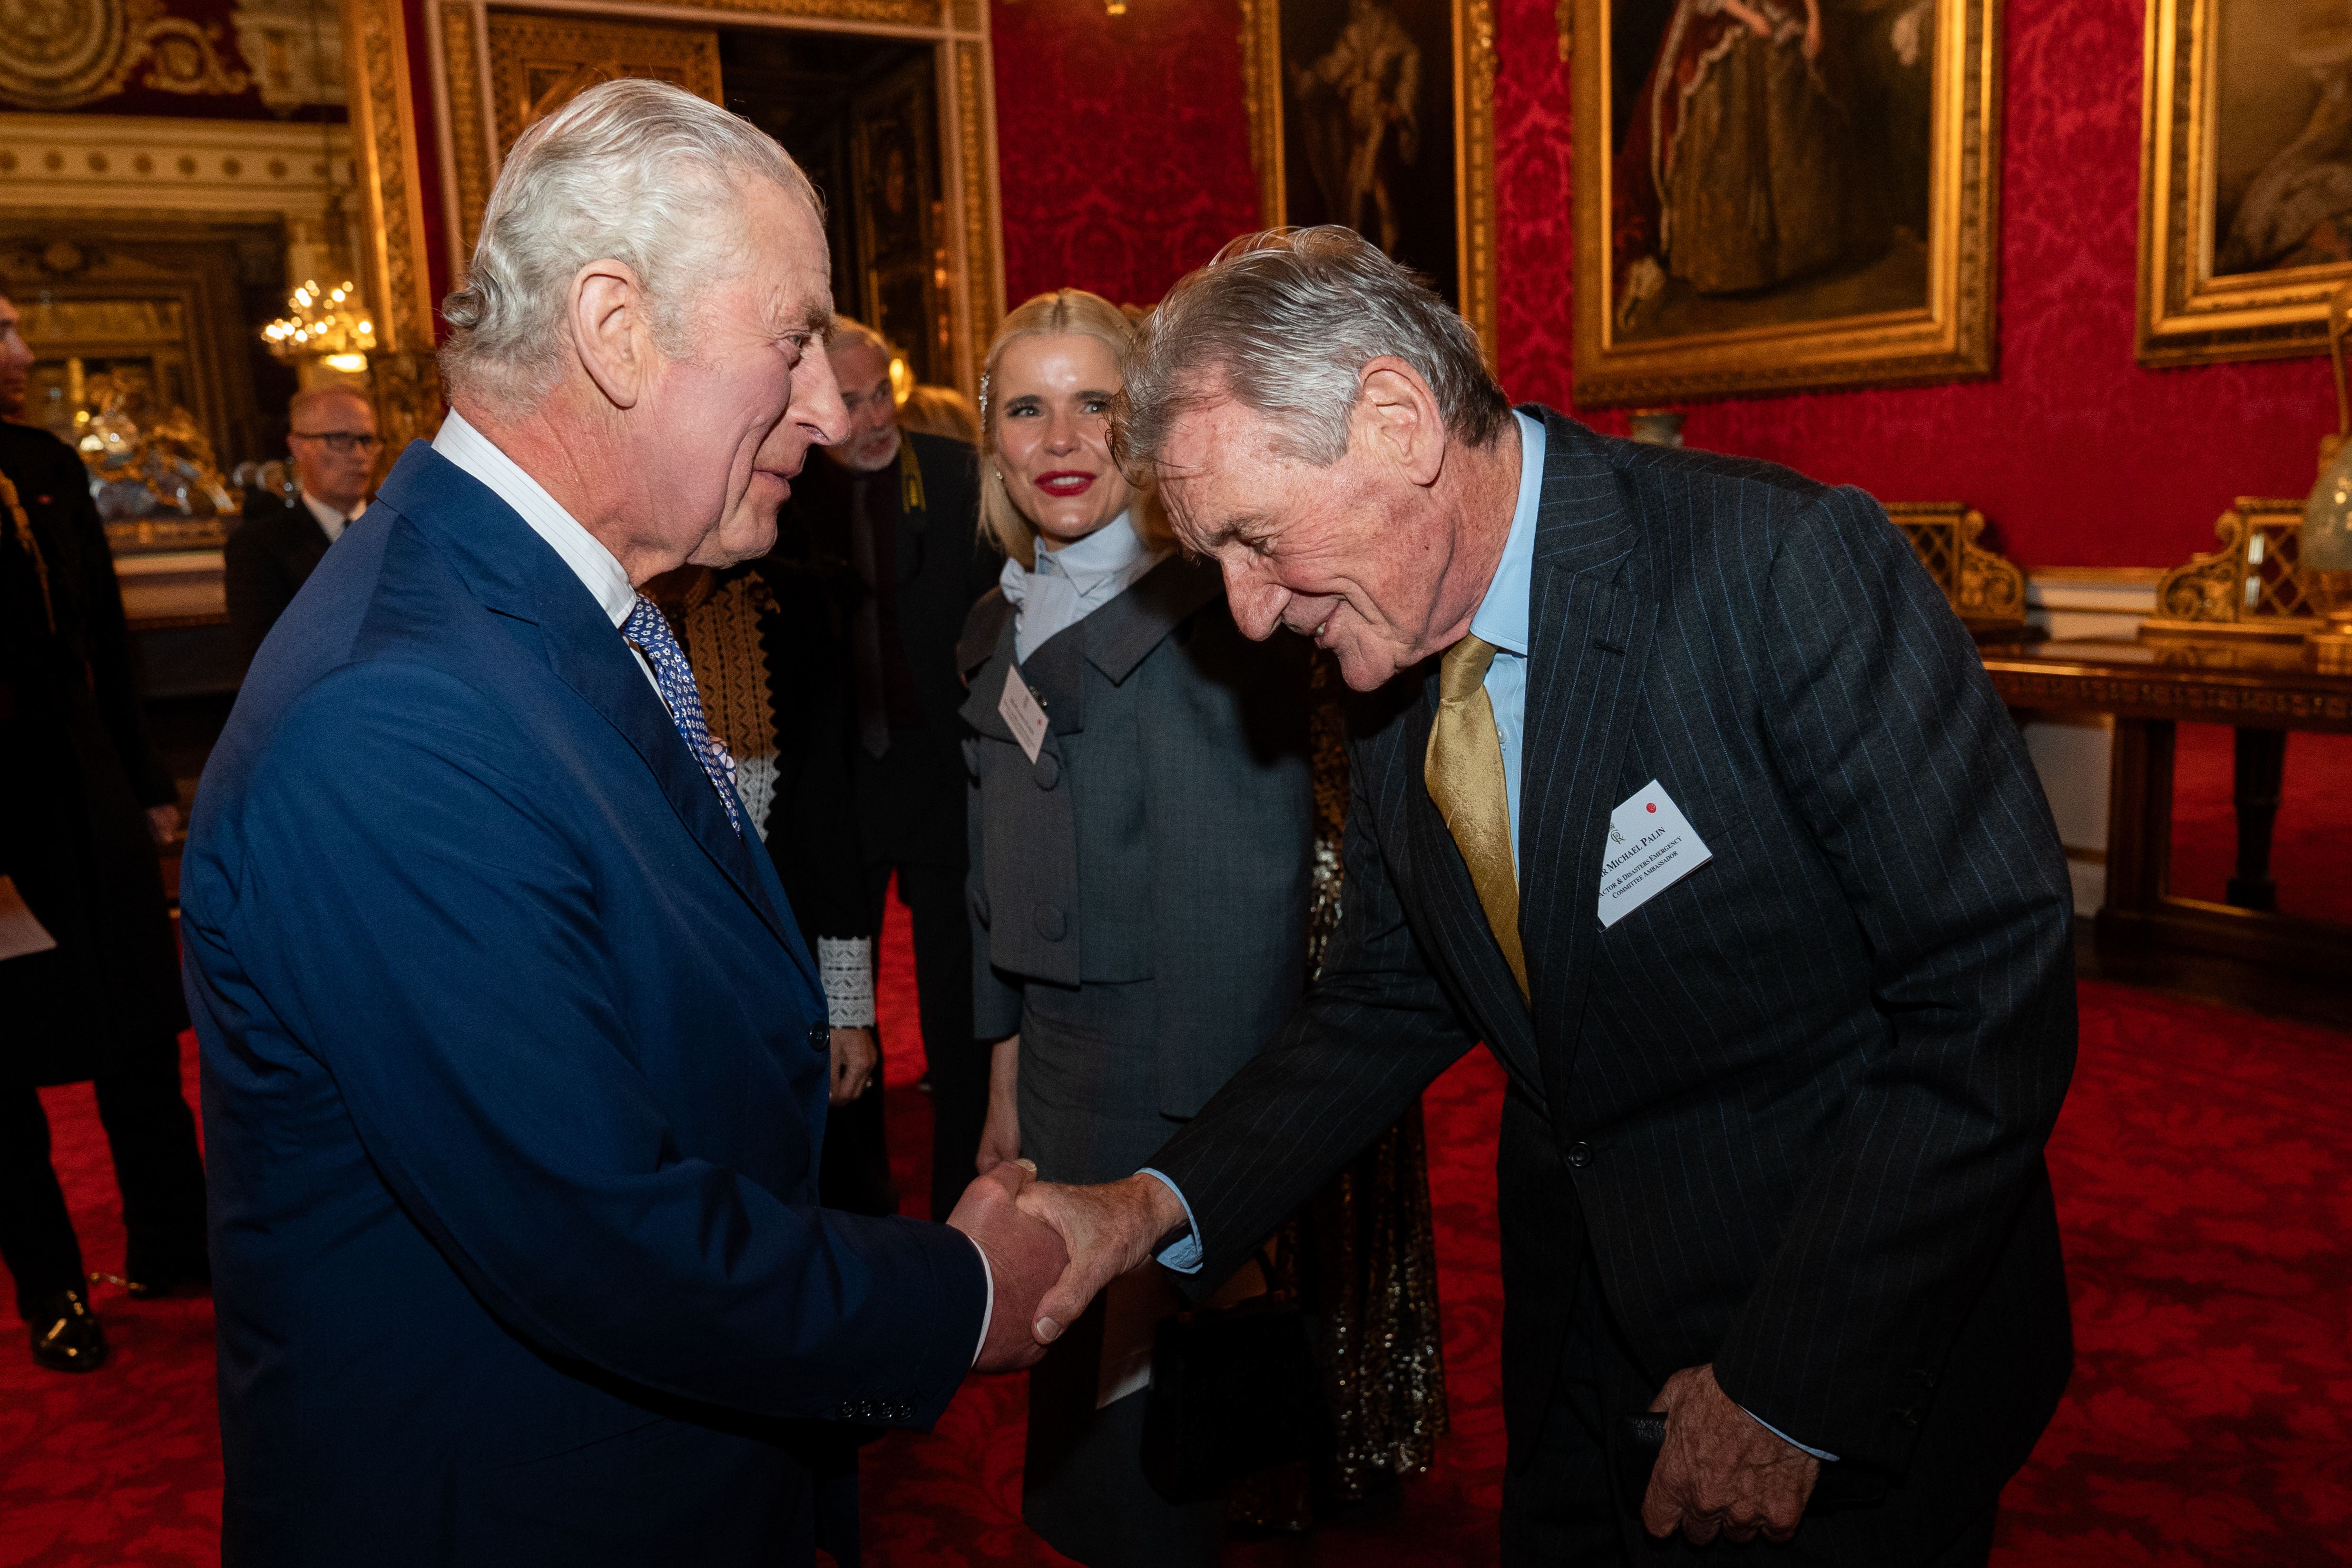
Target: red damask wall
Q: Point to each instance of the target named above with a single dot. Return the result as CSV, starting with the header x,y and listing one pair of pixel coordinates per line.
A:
x,y
1122,142
1125,161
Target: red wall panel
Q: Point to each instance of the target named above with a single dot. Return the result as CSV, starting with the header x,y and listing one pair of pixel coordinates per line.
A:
x,y
1122,142
1125,161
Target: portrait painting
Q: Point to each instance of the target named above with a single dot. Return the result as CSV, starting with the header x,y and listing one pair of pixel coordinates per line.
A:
x,y
1787,194
2247,186
1378,115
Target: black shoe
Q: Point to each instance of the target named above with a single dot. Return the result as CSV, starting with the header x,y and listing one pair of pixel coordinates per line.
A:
x,y
66,1333
151,1284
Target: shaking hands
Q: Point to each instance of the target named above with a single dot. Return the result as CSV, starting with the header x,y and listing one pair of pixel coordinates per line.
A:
x,y
1050,1247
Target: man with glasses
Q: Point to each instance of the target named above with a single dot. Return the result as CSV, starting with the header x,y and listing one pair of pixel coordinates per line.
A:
x,y
273,551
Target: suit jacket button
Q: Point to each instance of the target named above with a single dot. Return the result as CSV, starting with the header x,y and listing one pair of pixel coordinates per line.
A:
x,y
821,1036
1049,922
1049,770
1579,1154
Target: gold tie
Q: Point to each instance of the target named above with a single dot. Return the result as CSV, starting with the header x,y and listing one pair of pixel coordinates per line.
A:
x,y
1463,770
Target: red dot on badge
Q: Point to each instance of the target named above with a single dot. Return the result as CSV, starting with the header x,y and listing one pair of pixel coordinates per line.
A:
x,y
1651,807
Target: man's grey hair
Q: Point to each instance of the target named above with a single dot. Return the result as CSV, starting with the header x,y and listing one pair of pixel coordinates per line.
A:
x,y
850,329
1285,322
641,172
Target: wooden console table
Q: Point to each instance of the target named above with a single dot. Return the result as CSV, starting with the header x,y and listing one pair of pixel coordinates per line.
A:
x,y
2263,689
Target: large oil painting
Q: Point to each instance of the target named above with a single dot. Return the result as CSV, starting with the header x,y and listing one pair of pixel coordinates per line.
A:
x,y
2246,194
1379,115
1788,194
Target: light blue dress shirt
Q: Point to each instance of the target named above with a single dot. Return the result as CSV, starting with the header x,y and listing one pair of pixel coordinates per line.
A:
x,y
1504,618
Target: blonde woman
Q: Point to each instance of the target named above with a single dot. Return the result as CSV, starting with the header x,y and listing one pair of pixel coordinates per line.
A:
x,y
1142,844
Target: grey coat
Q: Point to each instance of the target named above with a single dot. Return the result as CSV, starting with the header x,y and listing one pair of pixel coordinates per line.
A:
x,y
1165,831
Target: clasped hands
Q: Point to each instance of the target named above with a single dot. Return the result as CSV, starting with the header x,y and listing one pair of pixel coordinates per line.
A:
x,y
1721,1472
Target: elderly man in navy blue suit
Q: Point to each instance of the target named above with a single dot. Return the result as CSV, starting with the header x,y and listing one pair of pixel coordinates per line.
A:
x,y
514,1063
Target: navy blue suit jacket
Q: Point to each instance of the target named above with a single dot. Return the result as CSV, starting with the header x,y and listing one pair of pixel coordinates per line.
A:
x,y
511,1107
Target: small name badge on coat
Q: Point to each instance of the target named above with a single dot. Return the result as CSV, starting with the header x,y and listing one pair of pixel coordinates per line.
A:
x,y
1651,848
1020,710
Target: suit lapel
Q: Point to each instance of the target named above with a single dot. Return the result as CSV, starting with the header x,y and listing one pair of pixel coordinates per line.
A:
x,y
516,575
1592,623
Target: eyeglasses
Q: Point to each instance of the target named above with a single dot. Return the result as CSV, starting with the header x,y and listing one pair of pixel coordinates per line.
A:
x,y
343,443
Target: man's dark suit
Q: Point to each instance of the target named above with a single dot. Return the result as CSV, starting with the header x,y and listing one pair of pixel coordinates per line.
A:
x,y
267,557
1789,1113
510,1101
845,821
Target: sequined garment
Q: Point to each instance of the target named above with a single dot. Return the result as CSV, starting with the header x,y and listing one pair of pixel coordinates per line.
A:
x,y
1361,1252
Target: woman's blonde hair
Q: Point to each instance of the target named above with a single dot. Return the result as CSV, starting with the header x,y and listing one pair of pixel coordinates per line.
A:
x,y
1065,312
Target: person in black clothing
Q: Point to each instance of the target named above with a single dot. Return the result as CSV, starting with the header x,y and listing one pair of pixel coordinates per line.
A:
x,y
282,538
83,801
877,562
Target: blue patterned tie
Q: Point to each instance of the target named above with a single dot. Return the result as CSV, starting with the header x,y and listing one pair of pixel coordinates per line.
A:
x,y
647,630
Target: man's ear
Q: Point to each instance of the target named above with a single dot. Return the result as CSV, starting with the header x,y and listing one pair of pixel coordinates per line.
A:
x,y
610,329
1398,414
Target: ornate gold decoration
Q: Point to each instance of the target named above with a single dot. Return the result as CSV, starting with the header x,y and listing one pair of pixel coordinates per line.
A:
x,y
1950,337
146,458
893,13
469,134
188,164
1986,589
984,277
185,60
1474,142
404,381
2249,587
55,56
2188,315
295,49
1563,16
539,64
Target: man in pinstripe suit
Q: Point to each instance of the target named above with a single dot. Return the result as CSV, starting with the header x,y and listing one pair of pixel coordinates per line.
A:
x,y
1781,1078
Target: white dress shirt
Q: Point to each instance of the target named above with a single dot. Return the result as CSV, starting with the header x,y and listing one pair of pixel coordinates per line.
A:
x,y
600,572
1070,583
331,522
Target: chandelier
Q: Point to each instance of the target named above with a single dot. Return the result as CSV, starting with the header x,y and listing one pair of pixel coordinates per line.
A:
x,y
334,324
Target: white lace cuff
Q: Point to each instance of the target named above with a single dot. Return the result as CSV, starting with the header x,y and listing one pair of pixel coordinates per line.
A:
x,y
846,963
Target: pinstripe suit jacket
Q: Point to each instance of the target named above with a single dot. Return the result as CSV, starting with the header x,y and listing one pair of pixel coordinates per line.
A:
x,y
1796,1101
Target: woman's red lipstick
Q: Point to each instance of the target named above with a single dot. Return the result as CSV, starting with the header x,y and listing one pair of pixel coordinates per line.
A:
x,y
1065,482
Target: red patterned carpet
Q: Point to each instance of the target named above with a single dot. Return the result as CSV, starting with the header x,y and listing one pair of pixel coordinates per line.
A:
x,y
2203,1179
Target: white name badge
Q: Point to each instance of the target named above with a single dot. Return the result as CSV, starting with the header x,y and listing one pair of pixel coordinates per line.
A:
x,y
1651,848
1021,712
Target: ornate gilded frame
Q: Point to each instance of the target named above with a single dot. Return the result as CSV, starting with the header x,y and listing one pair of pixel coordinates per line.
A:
x,y
1474,140
2188,316
458,34
1949,338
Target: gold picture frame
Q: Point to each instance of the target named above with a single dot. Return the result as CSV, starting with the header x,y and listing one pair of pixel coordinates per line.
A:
x,y
1896,290
1467,32
2206,120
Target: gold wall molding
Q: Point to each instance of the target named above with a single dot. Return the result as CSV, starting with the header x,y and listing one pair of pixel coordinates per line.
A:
x,y
982,259
403,377
1473,142
538,63
466,161
2187,314
82,162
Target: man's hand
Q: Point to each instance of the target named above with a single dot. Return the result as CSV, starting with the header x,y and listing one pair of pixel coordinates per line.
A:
x,y
1024,1257
1109,1230
853,1056
1721,1469
163,823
